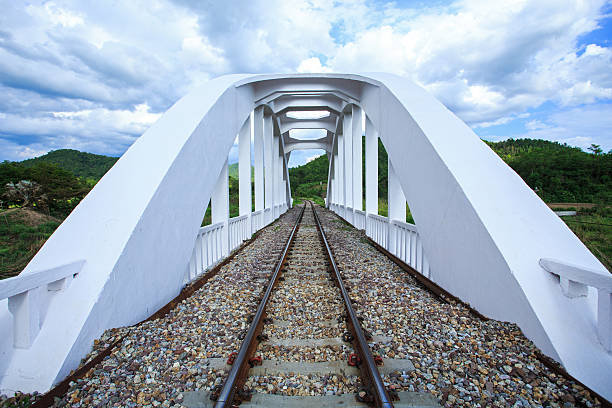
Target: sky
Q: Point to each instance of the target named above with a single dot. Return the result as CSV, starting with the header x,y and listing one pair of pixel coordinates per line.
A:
x,y
93,76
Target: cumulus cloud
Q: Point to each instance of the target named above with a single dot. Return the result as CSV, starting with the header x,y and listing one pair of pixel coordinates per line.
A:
x,y
578,126
69,67
77,129
265,35
312,65
299,157
485,60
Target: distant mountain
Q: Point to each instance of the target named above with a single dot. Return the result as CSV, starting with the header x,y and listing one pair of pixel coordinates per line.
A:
x,y
557,172
81,164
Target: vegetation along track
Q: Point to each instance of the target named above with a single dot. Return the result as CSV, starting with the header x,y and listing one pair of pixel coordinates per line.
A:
x,y
305,331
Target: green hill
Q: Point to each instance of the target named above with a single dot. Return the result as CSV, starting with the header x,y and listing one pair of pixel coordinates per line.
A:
x,y
557,172
81,164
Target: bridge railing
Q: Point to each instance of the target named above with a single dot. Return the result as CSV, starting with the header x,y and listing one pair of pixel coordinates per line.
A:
x,y
279,210
377,228
209,244
359,219
575,280
207,251
28,294
407,245
239,230
267,216
400,238
257,221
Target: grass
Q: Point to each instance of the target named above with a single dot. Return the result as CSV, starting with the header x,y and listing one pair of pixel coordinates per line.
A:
x,y
594,228
315,199
22,233
383,210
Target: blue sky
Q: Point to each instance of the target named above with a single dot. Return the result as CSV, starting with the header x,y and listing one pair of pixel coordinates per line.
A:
x,y
94,76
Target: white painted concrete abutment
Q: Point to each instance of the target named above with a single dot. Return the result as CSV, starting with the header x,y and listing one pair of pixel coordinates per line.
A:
x,y
484,232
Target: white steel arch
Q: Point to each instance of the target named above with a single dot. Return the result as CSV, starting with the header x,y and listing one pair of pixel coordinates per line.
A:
x,y
482,233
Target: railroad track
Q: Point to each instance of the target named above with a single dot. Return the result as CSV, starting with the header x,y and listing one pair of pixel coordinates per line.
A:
x,y
305,345
433,350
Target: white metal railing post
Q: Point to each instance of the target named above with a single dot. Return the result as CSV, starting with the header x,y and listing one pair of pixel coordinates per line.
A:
x,y
347,130
275,172
340,181
413,240
330,173
258,157
396,205
357,133
371,162
407,245
244,170
239,230
269,167
419,260
220,207
198,254
335,194
257,218
360,220
279,178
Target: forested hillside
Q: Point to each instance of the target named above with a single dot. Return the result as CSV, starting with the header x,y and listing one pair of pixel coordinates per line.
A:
x,y
310,179
557,172
53,184
42,186
81,164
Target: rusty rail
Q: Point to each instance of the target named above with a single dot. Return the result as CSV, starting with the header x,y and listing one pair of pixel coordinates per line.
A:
x,y
240,367
368,367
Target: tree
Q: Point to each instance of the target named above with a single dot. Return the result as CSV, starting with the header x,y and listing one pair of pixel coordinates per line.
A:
x,y
28,193
596,149
61,189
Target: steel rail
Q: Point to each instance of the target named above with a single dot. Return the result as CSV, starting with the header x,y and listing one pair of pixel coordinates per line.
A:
x,y
240,367
368,365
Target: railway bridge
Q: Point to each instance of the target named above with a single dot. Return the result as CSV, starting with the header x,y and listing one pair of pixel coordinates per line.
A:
x,y
481,235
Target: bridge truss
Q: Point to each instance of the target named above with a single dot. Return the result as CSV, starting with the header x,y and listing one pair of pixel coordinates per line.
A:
x,y
481,233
